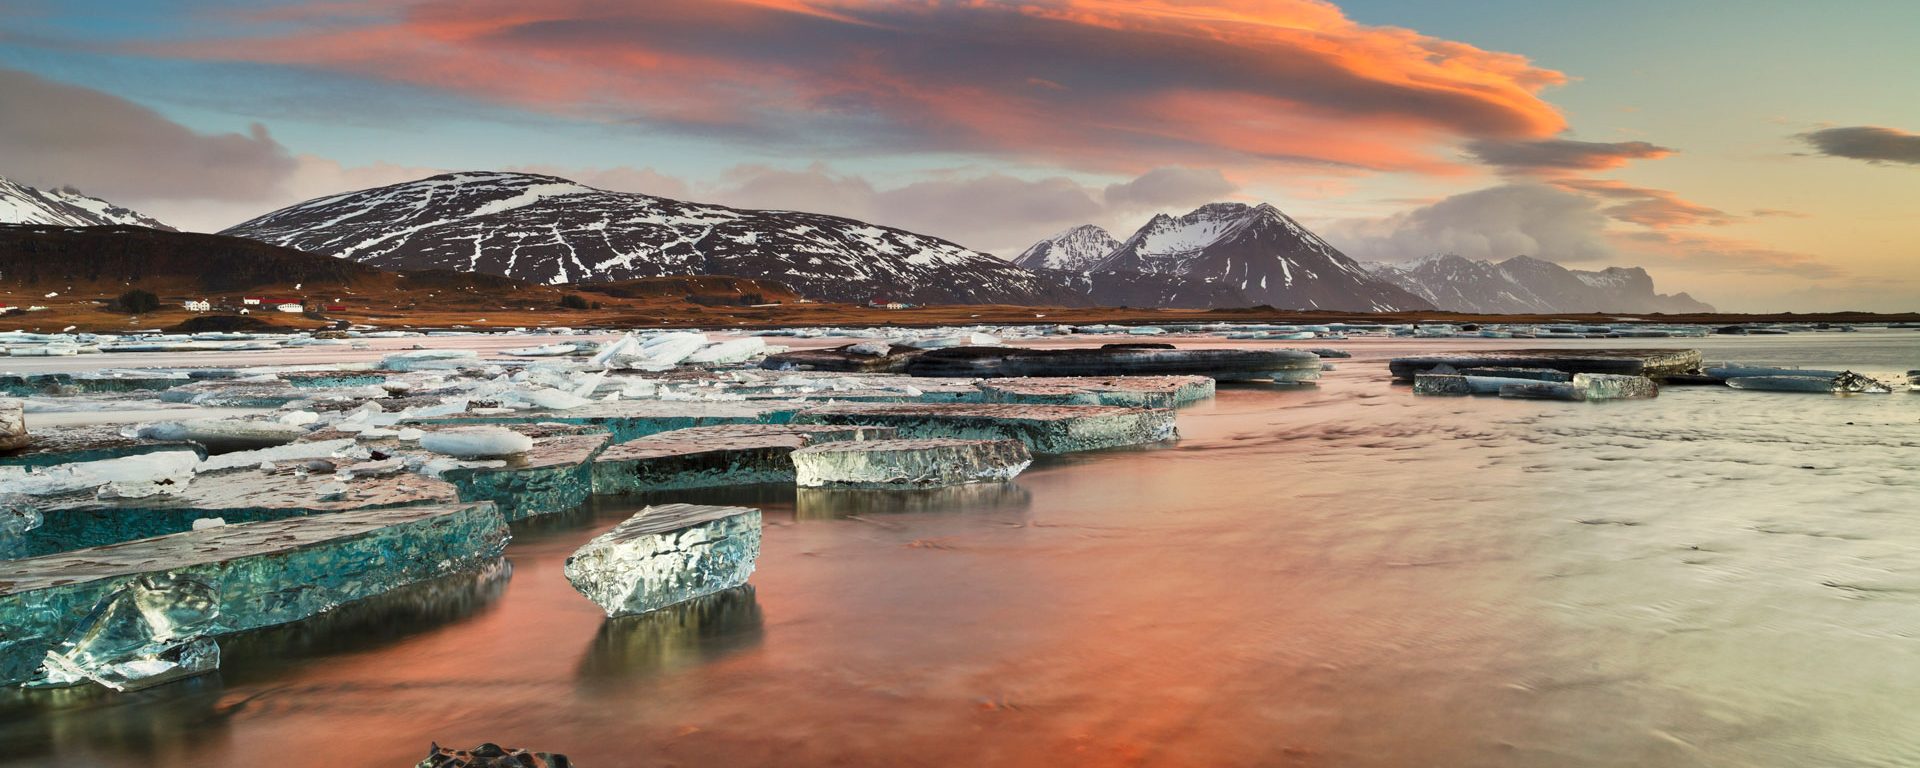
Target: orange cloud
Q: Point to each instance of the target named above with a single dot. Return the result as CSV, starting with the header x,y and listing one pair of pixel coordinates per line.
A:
x,y
1096,84
1649,207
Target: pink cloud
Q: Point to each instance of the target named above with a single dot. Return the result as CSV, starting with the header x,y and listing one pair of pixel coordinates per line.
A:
x,y
1089,83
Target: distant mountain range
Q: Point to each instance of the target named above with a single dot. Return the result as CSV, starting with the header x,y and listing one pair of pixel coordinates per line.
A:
x,y
550,230
65,207
1523,285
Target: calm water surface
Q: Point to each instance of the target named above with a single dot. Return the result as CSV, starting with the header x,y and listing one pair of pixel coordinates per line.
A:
x,y
1339,576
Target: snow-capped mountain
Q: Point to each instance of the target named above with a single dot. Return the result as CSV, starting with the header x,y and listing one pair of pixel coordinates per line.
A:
x,y
1524,284
1259,252
1075,250
550,230
65,207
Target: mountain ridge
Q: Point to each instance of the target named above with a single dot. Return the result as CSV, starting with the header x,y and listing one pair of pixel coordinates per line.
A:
x,y
66,207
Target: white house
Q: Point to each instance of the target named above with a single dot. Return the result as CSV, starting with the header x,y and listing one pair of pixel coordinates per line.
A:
x,y
291,308
197,305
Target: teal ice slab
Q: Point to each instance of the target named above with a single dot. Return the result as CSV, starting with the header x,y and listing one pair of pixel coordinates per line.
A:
x,y
706,457
236,496
228,394
66,383
665,555
66,445
1125,391
1050,429
334,379
266,573
630,420
554,476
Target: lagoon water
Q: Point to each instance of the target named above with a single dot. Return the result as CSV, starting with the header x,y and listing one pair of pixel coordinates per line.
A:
x,y
1345,575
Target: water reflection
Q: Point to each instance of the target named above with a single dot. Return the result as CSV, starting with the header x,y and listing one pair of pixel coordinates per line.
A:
x,y
367,624
179,717
839,504
629,648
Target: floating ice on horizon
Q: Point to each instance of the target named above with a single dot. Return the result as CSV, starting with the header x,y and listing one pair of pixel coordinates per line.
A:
x,y
729,352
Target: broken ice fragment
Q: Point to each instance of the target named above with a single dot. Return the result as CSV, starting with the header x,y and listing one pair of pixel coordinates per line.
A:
x,y
887,464
1601,386
1441,384
148,632
13,425
476,442
665,555
17,516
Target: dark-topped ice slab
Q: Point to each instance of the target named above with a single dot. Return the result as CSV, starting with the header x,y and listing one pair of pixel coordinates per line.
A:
x,y
703,457
906,464
239,495
632,419
1631,362
1842,383
1219,364
1126,391
867,357
265,573
1044,428
665,555
67,445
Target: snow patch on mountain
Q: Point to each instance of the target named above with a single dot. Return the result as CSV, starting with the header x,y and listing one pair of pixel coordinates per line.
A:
x,y
65,207
552,230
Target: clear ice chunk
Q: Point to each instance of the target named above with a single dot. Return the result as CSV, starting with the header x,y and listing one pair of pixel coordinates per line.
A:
x,y
1602,386
666,555
899,464
151,631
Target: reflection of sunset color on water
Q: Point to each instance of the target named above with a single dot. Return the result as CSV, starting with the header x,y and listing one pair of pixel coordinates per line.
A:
x,y
1336,576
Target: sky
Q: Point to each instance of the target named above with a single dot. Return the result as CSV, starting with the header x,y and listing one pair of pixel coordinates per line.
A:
x,y
1761,155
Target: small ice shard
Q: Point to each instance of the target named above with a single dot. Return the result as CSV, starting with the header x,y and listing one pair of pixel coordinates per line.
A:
x,y
13,425
17,516
1602,386
1441,384
892,464
612,351
208,522
553,399
730,352
666,555
476,442
428,360
149,632
869,348
298,418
